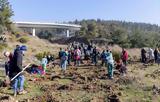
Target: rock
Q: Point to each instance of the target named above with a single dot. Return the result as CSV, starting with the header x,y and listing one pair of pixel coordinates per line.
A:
x,y
113,98
7,99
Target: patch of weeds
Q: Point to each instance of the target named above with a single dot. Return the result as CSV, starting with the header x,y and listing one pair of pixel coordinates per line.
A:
x,y
23,39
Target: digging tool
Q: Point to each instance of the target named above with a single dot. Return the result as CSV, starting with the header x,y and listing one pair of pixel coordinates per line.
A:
x,y
8,81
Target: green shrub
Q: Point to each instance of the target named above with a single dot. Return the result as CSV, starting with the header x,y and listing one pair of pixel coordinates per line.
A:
x,y
39,56
116,55
23,39
3,46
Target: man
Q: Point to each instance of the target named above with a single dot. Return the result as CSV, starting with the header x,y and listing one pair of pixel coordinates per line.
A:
x,y
63,62
104,55
156,54
15,68
95,56
110,65
60,53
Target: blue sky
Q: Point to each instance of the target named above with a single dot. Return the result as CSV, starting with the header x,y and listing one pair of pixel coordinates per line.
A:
x,y
68,10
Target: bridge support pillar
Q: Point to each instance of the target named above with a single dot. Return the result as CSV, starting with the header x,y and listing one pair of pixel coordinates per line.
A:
x,y
33,32
67,33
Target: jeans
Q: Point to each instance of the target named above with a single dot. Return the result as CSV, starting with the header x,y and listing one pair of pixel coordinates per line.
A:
x,y
95,60
18,83
69,60
77,62
63,64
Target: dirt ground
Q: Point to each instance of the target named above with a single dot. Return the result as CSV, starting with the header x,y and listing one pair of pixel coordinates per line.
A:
x,y
84,83
89,84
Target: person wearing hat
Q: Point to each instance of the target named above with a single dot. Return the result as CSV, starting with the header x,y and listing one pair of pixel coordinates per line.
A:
x,y
14,69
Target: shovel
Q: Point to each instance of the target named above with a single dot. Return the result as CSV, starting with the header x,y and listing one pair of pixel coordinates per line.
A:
x,y
8,81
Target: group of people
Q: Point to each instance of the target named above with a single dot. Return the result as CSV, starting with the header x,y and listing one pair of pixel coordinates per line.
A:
x,y
78,53
13,66
150,56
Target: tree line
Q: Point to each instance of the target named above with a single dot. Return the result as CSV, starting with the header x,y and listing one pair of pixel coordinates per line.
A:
x,y
125,34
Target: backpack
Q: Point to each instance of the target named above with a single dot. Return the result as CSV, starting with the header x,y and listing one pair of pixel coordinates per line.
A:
x,y
64,56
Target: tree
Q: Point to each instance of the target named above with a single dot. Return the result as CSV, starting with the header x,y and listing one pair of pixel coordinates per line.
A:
x,y
125,34
92,29
5,15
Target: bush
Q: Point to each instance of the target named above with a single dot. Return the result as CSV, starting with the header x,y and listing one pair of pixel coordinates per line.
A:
x,y
3,46
39,56
116,55
23,39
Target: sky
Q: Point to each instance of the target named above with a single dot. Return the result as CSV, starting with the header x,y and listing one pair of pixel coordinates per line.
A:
x,y
147,11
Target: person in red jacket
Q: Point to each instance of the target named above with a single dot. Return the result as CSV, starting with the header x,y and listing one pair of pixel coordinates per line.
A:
x,y
124,56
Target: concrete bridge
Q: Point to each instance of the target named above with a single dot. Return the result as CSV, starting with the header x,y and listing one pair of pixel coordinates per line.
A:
x,y
35,27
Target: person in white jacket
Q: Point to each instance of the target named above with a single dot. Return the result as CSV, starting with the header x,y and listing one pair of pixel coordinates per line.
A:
x,y
110,64
151,54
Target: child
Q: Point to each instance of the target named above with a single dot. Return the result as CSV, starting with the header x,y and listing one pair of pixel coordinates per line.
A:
x,y
8,56
44,64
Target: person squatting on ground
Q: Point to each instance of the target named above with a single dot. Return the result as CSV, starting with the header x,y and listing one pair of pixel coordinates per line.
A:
x,y
14,68
121,67
110,65
124,56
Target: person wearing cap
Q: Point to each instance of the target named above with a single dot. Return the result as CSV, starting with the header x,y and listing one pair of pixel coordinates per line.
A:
x,y
15,68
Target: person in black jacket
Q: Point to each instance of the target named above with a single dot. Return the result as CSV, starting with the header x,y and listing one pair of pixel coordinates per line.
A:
x,y
15,68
